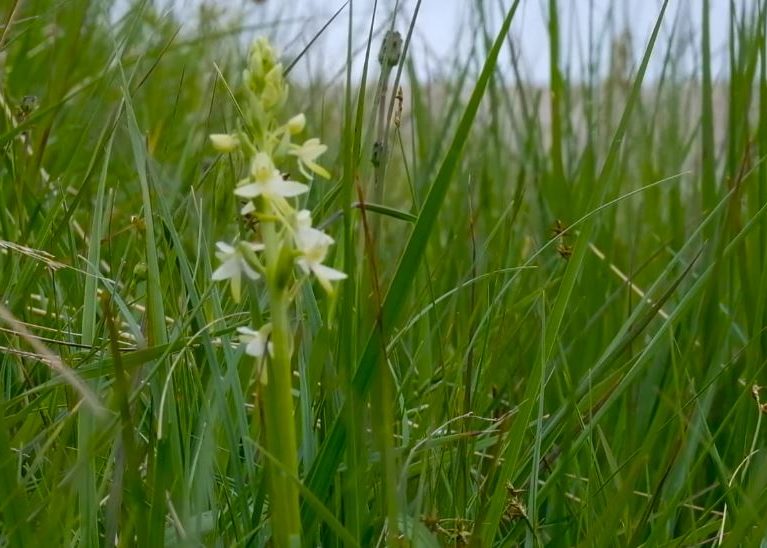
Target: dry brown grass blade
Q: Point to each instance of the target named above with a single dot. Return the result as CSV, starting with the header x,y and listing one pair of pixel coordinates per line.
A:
x,y
52,360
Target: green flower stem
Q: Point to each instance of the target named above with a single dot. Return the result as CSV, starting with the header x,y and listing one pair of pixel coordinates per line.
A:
x,y
278,405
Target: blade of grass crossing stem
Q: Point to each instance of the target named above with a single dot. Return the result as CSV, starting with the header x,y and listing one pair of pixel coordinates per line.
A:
x,y
321,474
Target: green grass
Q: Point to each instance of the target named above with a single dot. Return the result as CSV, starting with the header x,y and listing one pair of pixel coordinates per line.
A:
x,y
478,378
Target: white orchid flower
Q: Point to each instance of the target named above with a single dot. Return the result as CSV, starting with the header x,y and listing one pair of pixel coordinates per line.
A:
x,y
313,244
234,265
266,180
307,154
257,343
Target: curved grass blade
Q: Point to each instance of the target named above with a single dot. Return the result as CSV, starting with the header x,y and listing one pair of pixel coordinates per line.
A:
x,y
323,471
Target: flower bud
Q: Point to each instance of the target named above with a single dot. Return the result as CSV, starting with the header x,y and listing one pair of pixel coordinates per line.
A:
x,y
296,124
140,271
264,75
391,49
275,90
223,142
262,167
262,57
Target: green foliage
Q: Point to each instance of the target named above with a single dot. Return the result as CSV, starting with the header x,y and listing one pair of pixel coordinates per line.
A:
x,y
553,331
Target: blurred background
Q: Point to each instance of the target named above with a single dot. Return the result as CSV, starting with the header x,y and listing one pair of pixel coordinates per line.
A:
x,y
444,26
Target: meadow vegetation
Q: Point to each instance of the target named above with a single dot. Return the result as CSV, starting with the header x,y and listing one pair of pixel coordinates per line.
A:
x,y
552,326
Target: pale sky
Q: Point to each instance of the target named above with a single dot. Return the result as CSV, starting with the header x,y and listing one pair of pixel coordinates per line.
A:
x,y
443,25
